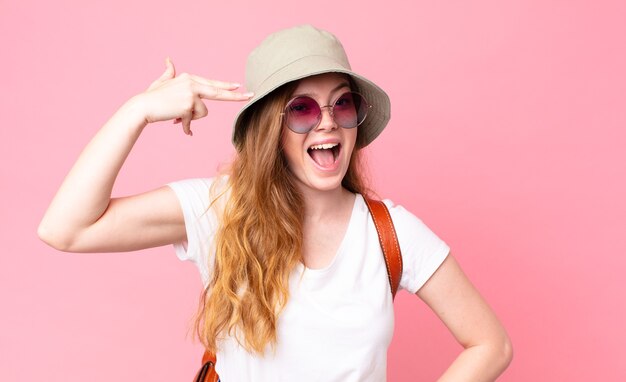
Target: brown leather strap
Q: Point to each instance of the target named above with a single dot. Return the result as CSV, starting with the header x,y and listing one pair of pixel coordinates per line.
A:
x,y
393,259
388,241
207,371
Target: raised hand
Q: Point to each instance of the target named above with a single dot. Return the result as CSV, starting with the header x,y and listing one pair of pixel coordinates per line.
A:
x,y
179,98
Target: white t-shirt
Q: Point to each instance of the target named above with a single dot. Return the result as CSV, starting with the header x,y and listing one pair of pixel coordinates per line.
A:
x,y
338,322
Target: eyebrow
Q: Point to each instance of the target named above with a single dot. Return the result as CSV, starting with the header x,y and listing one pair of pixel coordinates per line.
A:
x,y
341,85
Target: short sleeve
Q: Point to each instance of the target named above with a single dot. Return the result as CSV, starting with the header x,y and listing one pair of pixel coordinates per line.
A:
x,y
200,222
422,250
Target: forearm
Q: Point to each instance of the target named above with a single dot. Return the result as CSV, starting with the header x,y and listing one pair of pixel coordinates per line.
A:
x,y
86,191
479,363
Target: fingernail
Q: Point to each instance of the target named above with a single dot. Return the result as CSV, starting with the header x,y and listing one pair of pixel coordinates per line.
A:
x,y
236,84
248,94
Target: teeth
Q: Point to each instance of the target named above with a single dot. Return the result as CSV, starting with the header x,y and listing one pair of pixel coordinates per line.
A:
x,y
324,146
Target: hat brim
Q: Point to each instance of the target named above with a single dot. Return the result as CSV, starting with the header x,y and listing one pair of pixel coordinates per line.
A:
x,y
376,120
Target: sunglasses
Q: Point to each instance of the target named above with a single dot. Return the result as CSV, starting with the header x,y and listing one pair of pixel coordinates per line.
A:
x,y
302,114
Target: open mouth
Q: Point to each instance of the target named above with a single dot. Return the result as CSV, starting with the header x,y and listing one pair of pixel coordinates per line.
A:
x,y
325,154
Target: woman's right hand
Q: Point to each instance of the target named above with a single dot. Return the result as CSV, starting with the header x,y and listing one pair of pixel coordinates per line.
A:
x,y
83,217
179,98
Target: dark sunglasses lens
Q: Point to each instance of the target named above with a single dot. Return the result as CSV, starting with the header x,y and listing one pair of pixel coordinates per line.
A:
x,y
350,110
302,114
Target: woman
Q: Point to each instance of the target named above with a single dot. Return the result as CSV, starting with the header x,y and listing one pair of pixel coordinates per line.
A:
x,y
284,243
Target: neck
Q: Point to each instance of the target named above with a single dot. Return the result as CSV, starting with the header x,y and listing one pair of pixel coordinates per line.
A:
x,y
321,204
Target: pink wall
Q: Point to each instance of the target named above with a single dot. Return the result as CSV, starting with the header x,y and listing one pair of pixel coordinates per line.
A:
x,y
507,138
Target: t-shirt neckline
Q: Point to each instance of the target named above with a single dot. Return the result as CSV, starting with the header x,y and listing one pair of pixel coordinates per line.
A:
x,y
316,272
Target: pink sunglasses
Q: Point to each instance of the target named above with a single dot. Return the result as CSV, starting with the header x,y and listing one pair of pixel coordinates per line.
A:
x,y
302,114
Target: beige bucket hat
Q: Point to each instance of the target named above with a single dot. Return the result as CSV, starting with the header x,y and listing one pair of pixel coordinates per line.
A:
x,y
303,51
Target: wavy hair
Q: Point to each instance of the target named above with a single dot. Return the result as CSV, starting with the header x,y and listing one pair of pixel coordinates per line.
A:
x,y
259,240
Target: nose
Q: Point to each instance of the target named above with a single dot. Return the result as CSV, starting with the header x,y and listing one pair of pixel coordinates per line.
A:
x,y
327,121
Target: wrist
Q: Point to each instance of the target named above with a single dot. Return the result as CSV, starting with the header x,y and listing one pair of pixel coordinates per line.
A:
x,y
134,111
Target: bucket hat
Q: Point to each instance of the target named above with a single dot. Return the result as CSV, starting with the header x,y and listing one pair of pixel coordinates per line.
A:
x,y
303,51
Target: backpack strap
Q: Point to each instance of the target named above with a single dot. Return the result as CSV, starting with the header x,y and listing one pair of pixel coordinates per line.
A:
x,y
388,241
207,371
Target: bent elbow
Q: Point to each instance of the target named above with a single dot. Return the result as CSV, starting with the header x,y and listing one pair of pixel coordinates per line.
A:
x,y
53,238
506,352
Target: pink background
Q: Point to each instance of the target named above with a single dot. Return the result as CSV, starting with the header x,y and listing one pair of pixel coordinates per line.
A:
x,y
507,139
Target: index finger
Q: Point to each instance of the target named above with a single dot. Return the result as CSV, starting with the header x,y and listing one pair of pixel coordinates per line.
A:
x,y
215,93
217,84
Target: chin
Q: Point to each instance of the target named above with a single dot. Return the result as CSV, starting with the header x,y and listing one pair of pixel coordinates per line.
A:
x,y
322,184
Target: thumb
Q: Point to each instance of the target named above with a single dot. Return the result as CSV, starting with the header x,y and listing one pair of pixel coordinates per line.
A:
x,y
170,72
